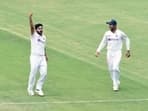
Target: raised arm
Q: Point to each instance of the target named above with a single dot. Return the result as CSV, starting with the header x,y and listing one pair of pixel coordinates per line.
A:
x,y
31,24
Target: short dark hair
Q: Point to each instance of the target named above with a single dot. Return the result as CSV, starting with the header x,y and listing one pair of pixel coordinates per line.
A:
x,y
38,25
112,22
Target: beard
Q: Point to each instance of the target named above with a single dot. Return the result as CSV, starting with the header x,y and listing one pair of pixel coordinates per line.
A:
x,y
40,32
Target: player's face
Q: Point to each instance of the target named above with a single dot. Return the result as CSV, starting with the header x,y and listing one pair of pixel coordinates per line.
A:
x,y
39,30
112,27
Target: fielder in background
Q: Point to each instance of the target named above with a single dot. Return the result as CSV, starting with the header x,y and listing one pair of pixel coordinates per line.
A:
x,y
38,58
113,40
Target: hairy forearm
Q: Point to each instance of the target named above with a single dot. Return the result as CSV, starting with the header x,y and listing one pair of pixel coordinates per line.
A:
x,y
46,55
45,52
31,23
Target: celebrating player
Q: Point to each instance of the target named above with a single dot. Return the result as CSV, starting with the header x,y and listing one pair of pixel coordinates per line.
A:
x,y
38,58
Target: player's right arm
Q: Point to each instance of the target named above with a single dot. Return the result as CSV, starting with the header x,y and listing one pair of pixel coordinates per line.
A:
x,y
31,24
101,45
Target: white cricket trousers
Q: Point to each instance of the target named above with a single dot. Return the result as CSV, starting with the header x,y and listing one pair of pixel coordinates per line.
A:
x,y
37,63
113,61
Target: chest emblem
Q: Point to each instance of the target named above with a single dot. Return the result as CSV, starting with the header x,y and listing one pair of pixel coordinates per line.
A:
x,y
41,40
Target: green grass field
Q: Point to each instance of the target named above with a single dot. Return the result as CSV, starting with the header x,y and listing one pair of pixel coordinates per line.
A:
x,y
77,81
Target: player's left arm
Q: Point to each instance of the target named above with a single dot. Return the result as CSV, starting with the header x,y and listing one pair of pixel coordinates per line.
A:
x,y
127,42
46,55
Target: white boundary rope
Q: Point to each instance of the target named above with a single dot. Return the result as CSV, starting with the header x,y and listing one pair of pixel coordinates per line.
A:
x,y
77,102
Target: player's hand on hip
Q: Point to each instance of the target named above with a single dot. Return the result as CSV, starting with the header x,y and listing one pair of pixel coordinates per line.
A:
x,y
97,54
128,54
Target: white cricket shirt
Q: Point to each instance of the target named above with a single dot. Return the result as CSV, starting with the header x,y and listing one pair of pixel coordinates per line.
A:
x,y
38,44
114,41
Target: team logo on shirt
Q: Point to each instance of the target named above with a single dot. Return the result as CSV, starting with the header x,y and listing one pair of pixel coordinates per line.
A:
x,y
40,40
112,39
115,38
